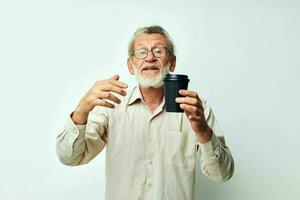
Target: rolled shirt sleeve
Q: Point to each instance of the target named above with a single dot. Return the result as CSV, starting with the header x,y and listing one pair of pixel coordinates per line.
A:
x,y
216,160
79,144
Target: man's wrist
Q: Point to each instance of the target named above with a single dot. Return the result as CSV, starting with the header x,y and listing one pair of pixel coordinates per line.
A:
x,y
79,119
204,136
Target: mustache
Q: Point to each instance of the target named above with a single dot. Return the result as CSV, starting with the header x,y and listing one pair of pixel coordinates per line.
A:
x,y
153,66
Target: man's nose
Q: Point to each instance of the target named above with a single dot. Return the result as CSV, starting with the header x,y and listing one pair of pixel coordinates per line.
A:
x,y
150,57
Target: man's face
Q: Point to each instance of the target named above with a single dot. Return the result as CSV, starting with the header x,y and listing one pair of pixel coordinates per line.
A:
x,y
151,70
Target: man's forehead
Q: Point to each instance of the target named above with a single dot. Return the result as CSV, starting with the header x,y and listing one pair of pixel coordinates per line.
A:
x,y
153,39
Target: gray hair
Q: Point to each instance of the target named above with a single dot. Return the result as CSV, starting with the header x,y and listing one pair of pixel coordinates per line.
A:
x,y
152,30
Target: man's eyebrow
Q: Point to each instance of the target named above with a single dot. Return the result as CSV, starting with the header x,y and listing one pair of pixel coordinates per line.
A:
x,y
139,45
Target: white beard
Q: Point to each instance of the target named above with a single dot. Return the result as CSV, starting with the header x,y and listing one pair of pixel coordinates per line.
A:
x,y
147,82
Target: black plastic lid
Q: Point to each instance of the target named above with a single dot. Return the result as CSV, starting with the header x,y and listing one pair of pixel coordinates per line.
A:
x,y
176,77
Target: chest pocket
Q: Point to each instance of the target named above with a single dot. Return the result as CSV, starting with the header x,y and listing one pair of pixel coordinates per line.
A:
x,y
179,150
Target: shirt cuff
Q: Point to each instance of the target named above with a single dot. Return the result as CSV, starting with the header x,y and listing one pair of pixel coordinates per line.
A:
x,y
207,149
72,127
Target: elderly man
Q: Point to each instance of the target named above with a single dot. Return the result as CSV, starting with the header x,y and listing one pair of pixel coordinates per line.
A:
x,y
150,153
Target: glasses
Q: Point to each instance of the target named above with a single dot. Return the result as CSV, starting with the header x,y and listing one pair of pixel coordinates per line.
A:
x,y
157,52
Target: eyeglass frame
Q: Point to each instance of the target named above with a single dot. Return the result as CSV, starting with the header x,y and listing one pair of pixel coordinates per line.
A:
x,y
133,53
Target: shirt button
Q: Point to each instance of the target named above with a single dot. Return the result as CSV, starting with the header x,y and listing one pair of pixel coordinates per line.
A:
x,y
151,162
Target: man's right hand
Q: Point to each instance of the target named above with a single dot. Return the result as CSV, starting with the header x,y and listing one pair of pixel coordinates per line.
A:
x,y
97,96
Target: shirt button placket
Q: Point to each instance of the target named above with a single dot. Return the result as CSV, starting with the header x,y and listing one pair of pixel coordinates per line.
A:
x,y
150,152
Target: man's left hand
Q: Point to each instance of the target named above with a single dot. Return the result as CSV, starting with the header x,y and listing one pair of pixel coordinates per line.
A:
x,y
192,106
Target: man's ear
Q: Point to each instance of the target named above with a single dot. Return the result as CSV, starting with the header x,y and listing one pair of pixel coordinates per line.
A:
x,y
173,64
129,65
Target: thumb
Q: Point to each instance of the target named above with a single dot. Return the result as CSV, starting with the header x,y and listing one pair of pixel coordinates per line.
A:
x,y
115,77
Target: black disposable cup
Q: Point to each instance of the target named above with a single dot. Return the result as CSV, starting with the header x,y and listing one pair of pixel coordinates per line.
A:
x,y
172,84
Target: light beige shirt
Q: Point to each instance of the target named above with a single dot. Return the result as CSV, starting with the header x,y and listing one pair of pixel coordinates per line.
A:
x,y
148,155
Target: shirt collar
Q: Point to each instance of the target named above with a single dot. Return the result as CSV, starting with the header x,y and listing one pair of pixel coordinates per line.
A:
x,y
135,95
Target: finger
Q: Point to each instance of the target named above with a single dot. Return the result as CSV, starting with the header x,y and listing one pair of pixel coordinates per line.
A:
x,y
110,81
188,93
109,87
108,95
101,102
189,101
194,118
114,77
190,110
119,83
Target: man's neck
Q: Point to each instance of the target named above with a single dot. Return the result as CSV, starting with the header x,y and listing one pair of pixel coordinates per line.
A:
x,y
152,97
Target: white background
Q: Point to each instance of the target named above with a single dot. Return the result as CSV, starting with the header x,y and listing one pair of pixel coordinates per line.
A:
x,y
242,56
